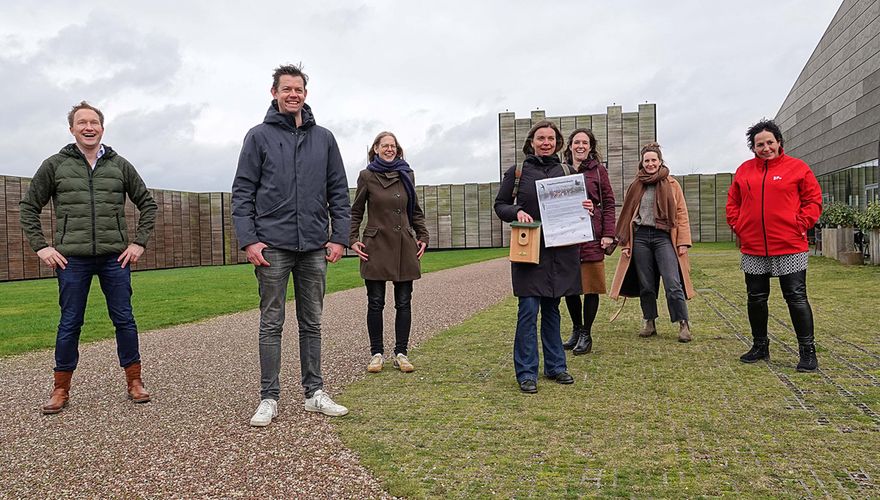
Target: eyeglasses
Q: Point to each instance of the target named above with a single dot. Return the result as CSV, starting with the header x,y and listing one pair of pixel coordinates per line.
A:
x,y
387,146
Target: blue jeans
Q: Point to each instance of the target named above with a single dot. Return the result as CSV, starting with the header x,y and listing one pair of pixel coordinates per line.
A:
x,y
309,271
525,344
654,256
74,283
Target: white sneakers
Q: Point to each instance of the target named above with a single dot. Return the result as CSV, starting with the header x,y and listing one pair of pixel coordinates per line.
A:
x,y
375,364
267,410
321,402
402,363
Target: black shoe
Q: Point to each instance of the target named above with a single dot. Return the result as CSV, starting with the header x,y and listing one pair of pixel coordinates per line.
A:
x,y
573,340
584,345
760,350
528,386
808,362
562,378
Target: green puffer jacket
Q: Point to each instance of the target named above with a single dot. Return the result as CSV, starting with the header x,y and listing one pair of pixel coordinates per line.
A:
x,y
89,203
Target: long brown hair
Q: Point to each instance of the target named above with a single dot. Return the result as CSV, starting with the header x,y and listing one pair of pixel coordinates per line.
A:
x,y
594,146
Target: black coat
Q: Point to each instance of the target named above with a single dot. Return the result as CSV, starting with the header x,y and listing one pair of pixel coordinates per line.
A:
x,y
557,273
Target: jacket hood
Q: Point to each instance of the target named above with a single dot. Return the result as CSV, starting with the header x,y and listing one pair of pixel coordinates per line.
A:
x,y
73,151
284,120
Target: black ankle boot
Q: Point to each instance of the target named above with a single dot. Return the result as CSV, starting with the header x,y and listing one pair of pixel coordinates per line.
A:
x,y
584,344
808,361
760,350
573,340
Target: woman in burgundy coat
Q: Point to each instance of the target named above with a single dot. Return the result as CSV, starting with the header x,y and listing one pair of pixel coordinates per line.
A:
x,y
582,154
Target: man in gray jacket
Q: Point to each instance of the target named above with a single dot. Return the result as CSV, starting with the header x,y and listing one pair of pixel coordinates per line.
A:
x,y
291,212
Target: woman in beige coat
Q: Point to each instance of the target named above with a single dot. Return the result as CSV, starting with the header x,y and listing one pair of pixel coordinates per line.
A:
x,y
654,236
393,242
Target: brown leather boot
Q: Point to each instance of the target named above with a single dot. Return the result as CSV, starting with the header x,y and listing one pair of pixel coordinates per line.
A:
x,y
684,332
60,394
648,328
136,390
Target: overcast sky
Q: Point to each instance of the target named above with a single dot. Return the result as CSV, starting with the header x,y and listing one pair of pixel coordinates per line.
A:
x,y
181,82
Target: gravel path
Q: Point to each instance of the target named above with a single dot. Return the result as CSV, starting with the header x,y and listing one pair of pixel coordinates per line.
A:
x,y
193,439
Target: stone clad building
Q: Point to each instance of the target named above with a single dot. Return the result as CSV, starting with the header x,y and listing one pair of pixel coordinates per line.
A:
x,y
831,117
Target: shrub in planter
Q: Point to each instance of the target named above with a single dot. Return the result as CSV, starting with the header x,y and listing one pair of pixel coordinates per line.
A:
x,y
838,214
869,223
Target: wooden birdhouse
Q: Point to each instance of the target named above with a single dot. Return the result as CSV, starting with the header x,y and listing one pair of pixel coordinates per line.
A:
x,y
525,242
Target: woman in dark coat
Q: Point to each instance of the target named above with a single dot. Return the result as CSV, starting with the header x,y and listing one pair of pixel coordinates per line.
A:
x,y
538,286
582,153
393,243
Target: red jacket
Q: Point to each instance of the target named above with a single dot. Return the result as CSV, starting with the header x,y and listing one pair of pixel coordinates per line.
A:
x,y
772,203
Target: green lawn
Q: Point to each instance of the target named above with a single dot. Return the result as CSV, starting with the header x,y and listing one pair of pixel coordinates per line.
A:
x,y
646,417
29,310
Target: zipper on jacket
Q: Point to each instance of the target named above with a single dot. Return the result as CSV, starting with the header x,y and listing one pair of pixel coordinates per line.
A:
x,y
63,229
763,218
92,200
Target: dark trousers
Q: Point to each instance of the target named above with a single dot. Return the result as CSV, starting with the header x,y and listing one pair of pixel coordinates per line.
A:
x,y
654,255
402,319
794,290
74,283
525,343
591,308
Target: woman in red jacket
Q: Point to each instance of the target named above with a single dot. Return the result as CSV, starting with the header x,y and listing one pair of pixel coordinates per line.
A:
x,y
772,202
582,153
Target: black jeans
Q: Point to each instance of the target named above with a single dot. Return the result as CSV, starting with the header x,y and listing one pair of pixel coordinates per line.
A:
x,y
402,320
654,256
794,290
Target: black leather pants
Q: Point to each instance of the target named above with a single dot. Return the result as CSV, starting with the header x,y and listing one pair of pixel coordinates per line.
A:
x,y
794,290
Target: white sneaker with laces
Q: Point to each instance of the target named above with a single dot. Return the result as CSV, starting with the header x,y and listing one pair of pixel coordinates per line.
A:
x,y
267,410
375,364
321,402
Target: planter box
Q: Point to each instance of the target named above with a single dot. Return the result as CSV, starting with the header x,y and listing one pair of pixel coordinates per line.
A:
x,y
874,246
837,240
851,258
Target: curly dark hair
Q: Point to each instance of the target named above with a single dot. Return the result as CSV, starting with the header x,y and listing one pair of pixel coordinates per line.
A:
x,y
527,146
761,126
290,70
594,146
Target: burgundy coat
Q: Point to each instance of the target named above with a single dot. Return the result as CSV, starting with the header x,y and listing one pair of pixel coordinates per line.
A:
x,y
604,219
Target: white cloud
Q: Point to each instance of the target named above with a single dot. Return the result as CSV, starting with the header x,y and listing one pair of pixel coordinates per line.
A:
x,y
181,82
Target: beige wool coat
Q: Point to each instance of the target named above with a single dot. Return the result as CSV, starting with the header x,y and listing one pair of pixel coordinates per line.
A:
x,y
625,282
388,236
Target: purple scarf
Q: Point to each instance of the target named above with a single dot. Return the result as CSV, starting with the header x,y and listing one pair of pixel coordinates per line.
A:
x,y
400,166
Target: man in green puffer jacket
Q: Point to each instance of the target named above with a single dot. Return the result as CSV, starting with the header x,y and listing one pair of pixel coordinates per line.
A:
x,y
87,183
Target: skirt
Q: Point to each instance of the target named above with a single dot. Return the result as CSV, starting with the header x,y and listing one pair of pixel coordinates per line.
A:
x,y
593,277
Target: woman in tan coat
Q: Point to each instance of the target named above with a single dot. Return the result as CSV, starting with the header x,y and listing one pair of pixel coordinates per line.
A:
x,y
393,242
654,236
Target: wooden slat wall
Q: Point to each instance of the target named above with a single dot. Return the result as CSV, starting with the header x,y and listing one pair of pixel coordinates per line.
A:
x,y
195,229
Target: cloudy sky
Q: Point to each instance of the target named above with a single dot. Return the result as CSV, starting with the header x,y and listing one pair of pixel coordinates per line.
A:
x,y
181,82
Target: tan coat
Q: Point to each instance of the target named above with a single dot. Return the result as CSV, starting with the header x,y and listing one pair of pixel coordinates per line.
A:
x,y
625,282
389,238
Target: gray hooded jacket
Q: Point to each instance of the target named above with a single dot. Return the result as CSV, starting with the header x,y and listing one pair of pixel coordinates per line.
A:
x,y
290,189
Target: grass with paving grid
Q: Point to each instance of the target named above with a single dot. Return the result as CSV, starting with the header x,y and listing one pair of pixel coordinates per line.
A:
x,y
645,417
29,310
